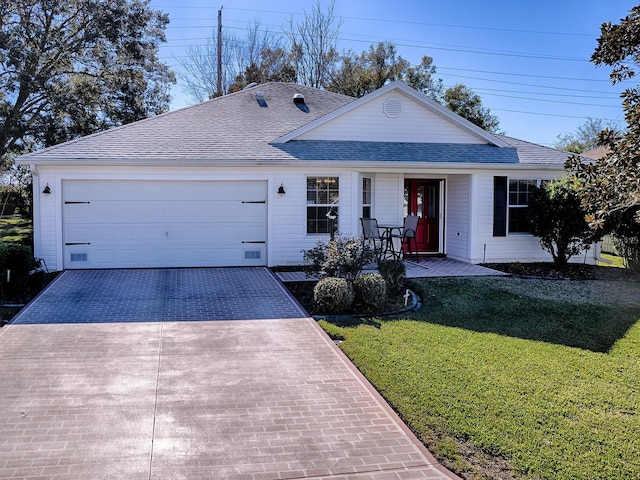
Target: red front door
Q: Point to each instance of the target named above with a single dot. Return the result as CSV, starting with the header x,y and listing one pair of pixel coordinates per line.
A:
x,y
422,198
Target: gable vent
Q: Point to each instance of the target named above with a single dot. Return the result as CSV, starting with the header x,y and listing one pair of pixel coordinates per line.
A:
x,y
392,107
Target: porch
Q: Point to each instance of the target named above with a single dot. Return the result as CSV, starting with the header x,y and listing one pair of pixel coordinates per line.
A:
x,y
427,267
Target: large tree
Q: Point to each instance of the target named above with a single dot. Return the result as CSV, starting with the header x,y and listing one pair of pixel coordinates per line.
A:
x,y
273,65
462,100
585,137
313,44
255,56
73,67
612,184
359,74
356,75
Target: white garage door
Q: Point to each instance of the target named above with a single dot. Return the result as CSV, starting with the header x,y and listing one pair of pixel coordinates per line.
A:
x,y
132,224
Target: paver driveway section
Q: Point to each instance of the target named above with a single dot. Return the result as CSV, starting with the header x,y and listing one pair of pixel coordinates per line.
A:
x,y
148,395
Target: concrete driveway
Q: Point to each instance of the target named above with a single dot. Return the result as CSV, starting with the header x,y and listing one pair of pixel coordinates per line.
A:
x,y
188,374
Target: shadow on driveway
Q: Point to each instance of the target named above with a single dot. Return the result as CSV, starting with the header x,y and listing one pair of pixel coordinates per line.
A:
x,y
160,295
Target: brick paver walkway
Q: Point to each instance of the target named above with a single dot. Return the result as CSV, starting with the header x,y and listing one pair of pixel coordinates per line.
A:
x,y
150,396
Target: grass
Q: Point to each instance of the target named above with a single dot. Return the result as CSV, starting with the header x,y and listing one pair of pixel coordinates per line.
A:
x,y
15,229
514,378
611,261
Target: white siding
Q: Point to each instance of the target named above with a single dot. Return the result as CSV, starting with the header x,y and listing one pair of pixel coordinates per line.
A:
x,y
290,213
45,234
286,223
468,222
458,216
368,122
388,198
513,247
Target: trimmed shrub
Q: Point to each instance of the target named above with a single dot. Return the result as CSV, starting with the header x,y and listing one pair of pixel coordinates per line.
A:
x,y
394,274
333,295
370,291
344,257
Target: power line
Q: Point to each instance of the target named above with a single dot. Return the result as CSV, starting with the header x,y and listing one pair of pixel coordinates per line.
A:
x,y
581,79
481,89
438,46
429,24
547,114
551,101
524,84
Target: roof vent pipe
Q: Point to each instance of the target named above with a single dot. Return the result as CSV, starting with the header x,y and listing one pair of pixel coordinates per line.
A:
x,y
298,99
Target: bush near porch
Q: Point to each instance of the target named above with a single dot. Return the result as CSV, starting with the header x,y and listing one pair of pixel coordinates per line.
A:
x,y
513,378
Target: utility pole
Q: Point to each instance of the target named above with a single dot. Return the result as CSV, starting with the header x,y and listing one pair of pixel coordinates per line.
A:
x,y
219,86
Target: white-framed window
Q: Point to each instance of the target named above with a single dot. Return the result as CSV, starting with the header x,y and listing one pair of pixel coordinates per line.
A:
x,y
518,203
323,194
367,195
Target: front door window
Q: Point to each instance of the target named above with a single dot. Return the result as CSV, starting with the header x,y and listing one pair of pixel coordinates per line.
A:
x,y
421,199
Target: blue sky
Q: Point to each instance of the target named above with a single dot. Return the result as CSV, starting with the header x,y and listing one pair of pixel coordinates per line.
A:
x,y
529,61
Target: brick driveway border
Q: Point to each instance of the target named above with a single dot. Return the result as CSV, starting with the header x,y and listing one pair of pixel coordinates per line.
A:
x,y
166,399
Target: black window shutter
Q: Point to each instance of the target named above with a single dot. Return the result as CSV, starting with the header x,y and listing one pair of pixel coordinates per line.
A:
x,y
499,206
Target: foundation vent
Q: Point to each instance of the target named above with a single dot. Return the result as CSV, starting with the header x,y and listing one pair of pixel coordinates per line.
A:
x,y
79,257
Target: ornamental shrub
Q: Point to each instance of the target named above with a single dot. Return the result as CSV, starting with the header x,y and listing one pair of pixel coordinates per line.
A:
x,y
344,257
333,295
370,292
557,218
394,274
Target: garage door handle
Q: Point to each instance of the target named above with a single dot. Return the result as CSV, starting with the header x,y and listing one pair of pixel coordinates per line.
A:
x,y
263,201
76,203
256,241
78,243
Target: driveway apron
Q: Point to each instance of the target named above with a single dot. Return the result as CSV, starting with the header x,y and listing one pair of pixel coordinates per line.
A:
x,y
188,374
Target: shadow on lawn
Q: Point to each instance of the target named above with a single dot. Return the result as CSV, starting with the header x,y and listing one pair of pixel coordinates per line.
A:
x,y
486,306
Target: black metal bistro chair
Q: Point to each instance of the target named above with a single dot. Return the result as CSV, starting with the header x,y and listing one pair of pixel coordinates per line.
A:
x,y
408,235
371,234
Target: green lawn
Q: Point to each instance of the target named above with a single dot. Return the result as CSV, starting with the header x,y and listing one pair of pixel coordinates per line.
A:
x,y
15,229
498,376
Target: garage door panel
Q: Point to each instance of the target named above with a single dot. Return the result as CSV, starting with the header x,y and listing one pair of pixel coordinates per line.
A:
x,y
77,211
164,223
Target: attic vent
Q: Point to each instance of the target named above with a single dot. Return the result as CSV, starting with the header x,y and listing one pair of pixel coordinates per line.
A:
x,y
260,99
298,101
251,85
392,107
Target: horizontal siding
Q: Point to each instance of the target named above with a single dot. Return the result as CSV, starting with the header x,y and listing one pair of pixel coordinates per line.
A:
x,y
290,211
368,122
45,237
388,198
513,247
458,216
287,213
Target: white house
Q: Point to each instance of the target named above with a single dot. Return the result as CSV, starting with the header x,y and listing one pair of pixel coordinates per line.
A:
x,y
246,179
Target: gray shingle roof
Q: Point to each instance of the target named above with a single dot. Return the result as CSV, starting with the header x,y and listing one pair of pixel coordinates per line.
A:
x,y
399,152
236,130
534,154
229,128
